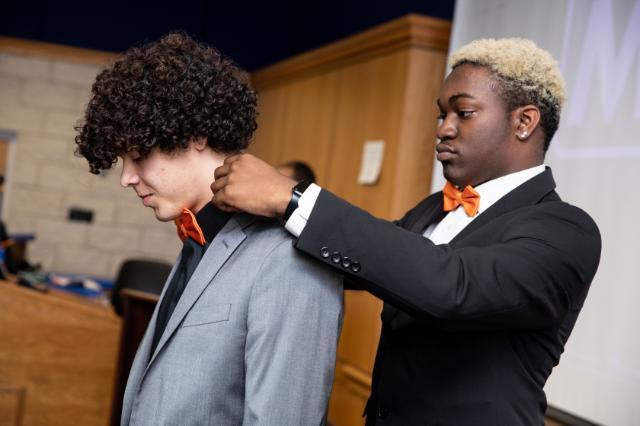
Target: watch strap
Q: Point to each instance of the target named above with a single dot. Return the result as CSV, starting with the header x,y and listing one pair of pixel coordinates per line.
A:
x,y
296,193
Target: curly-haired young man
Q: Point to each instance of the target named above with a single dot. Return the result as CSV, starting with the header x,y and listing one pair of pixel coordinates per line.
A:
x,y
483,282
246,329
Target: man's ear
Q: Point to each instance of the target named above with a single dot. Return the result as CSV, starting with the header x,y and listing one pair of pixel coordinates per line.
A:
x,y
527,119
199,144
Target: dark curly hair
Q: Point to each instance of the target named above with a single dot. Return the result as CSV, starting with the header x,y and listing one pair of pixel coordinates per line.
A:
x,y
163,95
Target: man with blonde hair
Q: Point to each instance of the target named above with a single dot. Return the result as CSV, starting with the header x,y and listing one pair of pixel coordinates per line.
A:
x,y
482,282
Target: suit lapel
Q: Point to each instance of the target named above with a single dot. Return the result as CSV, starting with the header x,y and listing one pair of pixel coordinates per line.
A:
x,y
428,212
527,194
220,249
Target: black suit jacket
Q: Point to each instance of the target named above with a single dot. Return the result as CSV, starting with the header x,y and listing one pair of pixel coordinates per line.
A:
x,y
471,329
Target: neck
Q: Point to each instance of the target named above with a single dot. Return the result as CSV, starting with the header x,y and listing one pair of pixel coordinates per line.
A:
x,y
202,178
200,205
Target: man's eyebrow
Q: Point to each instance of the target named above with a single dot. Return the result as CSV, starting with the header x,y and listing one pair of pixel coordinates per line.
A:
x,y
453,99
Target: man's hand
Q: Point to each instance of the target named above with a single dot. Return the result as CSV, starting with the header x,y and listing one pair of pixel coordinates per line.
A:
x,y
246,183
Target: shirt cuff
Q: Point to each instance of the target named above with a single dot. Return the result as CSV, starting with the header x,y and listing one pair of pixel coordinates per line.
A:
x,y
298,219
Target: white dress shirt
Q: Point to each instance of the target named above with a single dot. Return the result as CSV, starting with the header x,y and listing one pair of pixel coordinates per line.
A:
x,y
445,230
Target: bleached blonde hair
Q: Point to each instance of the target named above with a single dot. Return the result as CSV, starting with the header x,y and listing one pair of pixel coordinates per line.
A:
x,y
526,74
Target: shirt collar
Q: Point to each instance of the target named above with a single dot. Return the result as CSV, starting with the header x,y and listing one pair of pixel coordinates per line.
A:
x,y
493,190
211,220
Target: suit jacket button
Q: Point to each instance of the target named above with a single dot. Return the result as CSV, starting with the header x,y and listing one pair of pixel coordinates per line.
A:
x,y
346,262
324,252
336,257
383,413
355,266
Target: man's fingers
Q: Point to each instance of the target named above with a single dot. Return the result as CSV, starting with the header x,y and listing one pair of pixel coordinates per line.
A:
x,y
221,171
231,158
219,198
225,168
226,208
219,183
241,179
223,206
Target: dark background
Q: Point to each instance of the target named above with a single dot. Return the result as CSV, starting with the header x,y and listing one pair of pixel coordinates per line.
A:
x,y
254,33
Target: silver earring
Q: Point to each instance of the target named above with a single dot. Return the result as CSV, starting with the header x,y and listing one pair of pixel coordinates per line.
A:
x,y
523,135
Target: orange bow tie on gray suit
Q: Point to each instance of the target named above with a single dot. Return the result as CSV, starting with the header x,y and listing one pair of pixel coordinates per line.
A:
x,y
188,227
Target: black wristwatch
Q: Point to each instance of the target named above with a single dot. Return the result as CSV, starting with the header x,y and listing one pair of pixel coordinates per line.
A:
x,y
296,193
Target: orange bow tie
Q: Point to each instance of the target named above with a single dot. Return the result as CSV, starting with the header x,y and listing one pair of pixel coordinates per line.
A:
x,y
188,227
468,198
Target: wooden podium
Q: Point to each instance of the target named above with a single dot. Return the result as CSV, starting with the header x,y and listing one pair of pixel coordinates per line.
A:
x,y
57,358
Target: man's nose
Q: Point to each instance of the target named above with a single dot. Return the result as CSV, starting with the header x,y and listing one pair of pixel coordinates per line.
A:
x,y
446,129
128,176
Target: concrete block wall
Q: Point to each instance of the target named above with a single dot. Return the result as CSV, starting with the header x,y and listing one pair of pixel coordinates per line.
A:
x,y
40,101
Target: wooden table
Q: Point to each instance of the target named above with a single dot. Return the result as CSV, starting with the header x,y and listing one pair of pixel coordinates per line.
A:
x,y
59,351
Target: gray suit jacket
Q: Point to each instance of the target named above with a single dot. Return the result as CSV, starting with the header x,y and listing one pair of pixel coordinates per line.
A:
x,y
251,341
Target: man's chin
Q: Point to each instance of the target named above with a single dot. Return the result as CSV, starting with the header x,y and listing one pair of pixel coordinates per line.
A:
x,y
450,175
163,217
448,172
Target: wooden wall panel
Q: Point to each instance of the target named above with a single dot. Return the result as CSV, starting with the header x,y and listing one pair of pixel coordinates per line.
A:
x,y
409,31
295,123
309,129
360,331
269,136
4,153
417,133
11,405
369,107
348,398
53,51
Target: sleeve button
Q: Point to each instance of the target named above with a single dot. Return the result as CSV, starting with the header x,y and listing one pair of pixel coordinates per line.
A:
x,y
383,413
